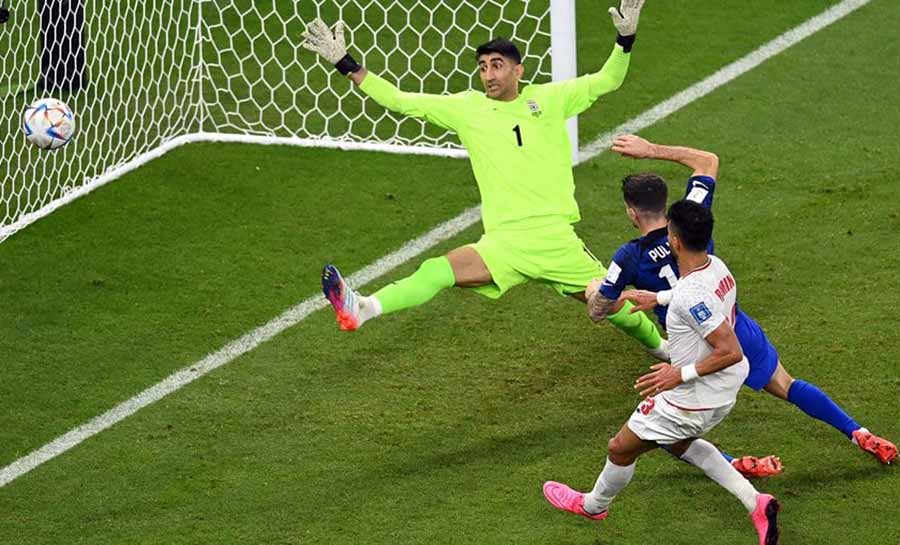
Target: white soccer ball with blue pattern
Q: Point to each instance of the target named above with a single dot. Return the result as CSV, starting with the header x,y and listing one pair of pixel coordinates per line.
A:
x,y
48,123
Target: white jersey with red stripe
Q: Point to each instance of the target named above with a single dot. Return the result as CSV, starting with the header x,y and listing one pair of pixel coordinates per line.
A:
x,y
701,301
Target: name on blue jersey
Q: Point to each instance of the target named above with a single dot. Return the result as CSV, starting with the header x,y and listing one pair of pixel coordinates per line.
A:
x,y
660,252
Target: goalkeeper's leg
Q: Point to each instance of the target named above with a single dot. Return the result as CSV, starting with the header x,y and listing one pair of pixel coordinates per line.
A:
x,y
639,326
461,267
432,276
577,268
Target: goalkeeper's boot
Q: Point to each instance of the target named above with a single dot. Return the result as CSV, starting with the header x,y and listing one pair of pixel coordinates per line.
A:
x,y
765,519
752,467
344,300
661,352
565,499
880,448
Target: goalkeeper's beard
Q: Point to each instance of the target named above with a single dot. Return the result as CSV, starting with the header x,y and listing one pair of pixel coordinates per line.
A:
x,y
497,91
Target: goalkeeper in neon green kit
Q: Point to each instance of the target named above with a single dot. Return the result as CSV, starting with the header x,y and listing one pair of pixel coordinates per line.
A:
x,y
521,156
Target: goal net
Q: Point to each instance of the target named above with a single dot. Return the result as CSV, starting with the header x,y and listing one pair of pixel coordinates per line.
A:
x,y
124,67
145,76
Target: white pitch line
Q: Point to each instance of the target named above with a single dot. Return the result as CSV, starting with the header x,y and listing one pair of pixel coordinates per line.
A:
x,y
411,249
234,349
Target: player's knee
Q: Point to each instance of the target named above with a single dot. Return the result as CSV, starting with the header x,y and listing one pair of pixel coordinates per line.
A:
x,y
616,448
780,385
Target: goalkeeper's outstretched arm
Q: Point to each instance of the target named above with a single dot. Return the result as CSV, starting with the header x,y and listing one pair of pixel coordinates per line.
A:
x,y
580,93
440,110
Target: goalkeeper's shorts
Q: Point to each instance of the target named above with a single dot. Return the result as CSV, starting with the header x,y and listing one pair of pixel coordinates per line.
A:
x,y
553,255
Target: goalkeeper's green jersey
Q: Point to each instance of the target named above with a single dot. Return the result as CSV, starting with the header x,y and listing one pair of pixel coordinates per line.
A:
x,y
520,150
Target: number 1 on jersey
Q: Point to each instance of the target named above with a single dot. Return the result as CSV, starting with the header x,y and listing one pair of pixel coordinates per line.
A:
x,y
518,132
667,273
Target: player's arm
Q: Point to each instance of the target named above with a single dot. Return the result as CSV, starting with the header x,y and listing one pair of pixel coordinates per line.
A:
x,y
599,306
646,300
726,352
703,163
442,110
603,296
578,94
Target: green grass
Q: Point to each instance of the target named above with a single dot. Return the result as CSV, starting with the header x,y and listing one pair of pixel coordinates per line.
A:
x,y
439,424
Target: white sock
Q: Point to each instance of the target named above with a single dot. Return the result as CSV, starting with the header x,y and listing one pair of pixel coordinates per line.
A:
x,y
707,457
853,439
611,481
369,307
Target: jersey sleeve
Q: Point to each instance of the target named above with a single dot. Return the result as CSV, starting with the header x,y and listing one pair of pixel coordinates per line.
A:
x,y
445,111
620,273
576,95
700,189
699,308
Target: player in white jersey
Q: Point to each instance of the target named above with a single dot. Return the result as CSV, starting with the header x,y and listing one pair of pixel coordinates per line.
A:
x,y
699,307
688,397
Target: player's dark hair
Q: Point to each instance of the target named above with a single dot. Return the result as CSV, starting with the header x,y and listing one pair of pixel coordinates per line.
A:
x,y
645,192
503,47
692,223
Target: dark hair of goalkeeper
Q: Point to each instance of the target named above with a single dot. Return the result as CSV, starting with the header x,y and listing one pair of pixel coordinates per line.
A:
x,y
501,46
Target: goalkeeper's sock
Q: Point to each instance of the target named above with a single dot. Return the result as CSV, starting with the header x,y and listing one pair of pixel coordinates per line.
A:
x,y
636,325
369,307
817,404
432,276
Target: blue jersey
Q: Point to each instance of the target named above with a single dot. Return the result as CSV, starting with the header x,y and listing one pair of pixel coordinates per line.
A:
x,y
646,262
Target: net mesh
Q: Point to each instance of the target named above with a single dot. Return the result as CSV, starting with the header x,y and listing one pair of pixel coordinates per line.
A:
x,y
131,93
154,71
261,83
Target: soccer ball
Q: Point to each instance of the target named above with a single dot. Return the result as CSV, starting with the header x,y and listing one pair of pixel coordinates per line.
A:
x,y
48,123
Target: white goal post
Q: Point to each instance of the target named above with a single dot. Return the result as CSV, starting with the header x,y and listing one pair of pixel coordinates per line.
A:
x,y
144,77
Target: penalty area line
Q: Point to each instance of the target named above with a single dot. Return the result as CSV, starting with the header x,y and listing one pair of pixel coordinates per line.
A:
x,y
408,251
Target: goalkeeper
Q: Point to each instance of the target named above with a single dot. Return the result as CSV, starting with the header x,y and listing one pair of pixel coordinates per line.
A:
x,y
521,157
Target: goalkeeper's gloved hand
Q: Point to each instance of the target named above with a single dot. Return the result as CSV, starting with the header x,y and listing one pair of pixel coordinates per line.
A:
x,y
319,39
625,17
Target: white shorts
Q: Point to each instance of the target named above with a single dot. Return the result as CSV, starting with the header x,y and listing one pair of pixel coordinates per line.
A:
x,y
661,422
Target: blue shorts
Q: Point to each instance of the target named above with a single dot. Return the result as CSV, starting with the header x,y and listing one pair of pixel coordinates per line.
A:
x,y
760,353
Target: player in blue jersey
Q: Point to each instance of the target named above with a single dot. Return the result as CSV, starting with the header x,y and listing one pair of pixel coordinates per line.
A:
x,y
647,264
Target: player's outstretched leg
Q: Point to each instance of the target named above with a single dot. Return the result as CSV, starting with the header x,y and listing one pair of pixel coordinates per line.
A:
x,y
639,326
817,404
750,467
432,276
353,309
